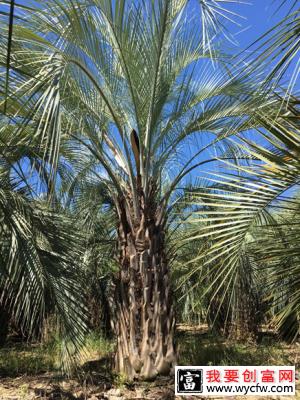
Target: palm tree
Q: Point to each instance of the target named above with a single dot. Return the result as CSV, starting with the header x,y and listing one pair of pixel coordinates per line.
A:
x,y
282,265
40,250
231,303
134,95
38,274
256,212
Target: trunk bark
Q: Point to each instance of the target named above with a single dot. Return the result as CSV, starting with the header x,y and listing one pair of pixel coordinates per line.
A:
x,y
142,300
4,325
244,321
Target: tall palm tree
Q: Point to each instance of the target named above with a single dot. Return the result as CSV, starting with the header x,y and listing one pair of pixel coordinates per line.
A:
x,y
133,91
255,210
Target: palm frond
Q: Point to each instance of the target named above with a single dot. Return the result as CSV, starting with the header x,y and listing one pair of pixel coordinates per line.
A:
x,y
240,207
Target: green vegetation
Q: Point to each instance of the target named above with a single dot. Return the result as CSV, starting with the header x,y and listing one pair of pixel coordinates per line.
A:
x,y
209,349
29,359
144,174
36,358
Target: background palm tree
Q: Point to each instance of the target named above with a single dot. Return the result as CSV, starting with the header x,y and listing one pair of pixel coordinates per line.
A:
x,y
256,213
39,250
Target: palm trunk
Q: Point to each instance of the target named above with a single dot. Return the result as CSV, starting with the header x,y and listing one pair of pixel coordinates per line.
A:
x,y
4,324
236,318
144,317
244,316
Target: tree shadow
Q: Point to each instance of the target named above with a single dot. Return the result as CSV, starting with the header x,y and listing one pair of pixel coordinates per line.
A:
x,y
97,372
210,349
55,393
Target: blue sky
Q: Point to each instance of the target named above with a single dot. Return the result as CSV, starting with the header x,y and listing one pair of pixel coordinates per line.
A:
x,y
260,16
257,17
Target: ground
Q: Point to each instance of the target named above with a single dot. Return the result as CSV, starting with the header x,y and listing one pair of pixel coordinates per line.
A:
x,y
29,372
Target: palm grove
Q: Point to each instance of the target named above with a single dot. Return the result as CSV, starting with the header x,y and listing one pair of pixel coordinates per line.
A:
x,y
128,174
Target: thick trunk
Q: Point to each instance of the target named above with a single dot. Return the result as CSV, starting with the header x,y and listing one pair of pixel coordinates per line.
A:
x,y
142,301
245,315
244,325
4,325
